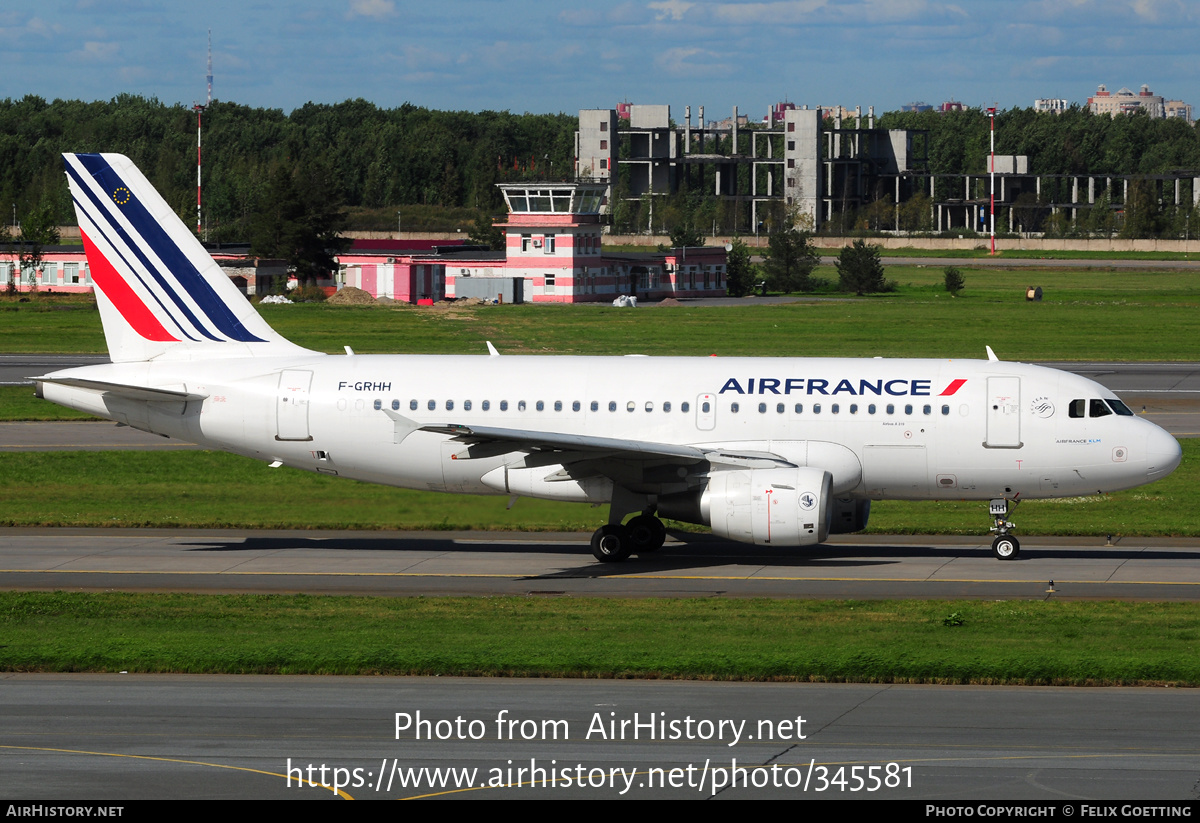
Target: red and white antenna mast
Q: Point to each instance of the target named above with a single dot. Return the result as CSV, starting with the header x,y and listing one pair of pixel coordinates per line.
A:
x,y
199,109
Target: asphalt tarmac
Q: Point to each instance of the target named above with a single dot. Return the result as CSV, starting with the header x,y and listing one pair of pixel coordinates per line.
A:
x,y
420,564
114,738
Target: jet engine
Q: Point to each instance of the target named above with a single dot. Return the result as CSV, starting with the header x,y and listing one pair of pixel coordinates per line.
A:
x,y
768,507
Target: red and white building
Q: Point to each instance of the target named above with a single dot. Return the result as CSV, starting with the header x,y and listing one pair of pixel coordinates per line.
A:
x,y
553,254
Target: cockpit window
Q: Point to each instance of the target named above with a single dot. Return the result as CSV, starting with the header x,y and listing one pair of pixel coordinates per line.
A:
x,y
1097,408
1077,408
1120,408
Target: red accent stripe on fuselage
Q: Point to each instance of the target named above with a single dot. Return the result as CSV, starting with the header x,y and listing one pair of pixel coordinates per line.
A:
x,y
952,388
131,307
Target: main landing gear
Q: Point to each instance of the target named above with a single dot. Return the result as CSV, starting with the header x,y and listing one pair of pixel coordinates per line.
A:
x,y
613,543
1005,546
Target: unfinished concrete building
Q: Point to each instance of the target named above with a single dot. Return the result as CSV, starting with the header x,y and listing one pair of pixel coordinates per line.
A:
x,y
804,166
821,167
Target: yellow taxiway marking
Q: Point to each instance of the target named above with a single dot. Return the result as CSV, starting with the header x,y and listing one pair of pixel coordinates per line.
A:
x,y
340,793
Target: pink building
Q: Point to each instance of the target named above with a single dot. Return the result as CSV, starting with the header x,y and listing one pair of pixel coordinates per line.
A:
x,y
554,249
64,269
553,254
411,271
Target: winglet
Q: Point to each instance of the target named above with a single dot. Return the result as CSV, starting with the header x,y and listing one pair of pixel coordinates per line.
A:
x,y
492,350
992,355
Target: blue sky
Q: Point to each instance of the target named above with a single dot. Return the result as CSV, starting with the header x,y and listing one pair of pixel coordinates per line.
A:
x,y
525,55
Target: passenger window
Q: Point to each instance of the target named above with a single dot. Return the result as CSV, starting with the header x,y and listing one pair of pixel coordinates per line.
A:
x,y
927,409
908,408
1099,409
945,410
1076,409
487,404
733,408
595,406
835,408
891,409
466,405
449,405
612,405
762,408
871,408
575,406
503,405
704,407
649,406
816,408
779,407
395,405
378,405
686,407
854,408
630,406
667,406
432,405
412,404
520,405
799,408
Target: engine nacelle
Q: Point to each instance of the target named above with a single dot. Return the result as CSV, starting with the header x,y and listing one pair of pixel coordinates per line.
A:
x,y
769,507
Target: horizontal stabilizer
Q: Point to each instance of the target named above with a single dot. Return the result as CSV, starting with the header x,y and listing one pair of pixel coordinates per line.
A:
x,y
125,390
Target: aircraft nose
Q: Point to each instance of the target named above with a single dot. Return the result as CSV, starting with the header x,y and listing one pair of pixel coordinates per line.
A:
x,y
1163,454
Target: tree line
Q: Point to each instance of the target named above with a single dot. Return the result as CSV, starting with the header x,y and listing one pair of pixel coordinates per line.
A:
x,y
374,162
351,155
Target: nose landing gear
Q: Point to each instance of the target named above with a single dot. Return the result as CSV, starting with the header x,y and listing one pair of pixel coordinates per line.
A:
x,y
1005,546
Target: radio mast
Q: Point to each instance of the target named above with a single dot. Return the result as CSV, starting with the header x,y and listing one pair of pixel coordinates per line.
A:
x,y
199,109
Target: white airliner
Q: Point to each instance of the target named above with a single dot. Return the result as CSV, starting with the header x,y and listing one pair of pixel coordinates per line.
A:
x,y
769,451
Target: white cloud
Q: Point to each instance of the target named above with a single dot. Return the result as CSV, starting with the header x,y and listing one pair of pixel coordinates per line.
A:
x,y
690,62
781,12
378,9
670,9
96,52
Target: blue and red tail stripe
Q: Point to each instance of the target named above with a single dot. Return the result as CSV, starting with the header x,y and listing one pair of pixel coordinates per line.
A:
x,y
107,198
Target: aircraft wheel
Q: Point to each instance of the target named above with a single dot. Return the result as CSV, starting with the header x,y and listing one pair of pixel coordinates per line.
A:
x,y
1006,548
646,533
611,544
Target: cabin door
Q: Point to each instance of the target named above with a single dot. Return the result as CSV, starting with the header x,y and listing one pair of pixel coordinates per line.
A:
x,y
291,414
1004,413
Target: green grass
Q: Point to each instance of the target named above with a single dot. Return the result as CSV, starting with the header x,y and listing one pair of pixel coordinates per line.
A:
x,y
216,490
1017,642
19,403
1092,314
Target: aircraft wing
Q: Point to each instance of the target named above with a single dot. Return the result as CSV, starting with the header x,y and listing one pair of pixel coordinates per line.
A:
x,y
586,446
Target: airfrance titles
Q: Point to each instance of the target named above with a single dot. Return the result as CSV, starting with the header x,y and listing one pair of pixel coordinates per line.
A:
x,y
899,387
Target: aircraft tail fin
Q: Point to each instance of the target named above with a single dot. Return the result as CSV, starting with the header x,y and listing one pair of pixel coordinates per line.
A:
x,y
160,292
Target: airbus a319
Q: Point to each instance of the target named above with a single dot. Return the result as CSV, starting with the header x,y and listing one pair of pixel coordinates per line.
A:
x,y
768,451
